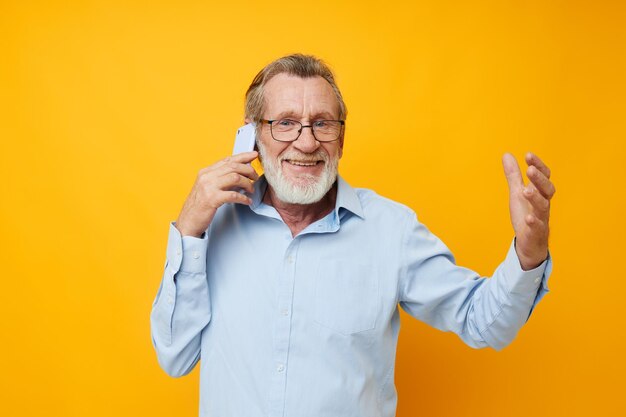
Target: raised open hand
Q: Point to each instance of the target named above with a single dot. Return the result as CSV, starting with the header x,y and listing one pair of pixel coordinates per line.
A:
x,y
529,206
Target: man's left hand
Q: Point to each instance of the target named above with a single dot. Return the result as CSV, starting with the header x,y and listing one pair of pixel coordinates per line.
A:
x,y
529,206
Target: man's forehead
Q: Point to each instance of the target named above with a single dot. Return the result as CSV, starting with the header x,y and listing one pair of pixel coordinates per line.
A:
x,y
292,94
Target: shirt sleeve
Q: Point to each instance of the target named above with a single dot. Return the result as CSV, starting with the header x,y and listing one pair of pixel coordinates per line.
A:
x,y
482,311
182,308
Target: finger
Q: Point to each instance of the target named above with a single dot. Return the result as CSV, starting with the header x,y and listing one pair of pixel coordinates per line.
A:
x,y
226,197
512,172
532,159
240,158
233,180
243,169
228,167
540,182
248,171
540,204
244,157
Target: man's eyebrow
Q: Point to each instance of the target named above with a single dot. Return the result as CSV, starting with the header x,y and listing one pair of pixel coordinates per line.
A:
x,y
323,115
290,114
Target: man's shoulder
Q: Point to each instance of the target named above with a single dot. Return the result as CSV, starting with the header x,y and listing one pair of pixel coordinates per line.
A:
x,y
375,204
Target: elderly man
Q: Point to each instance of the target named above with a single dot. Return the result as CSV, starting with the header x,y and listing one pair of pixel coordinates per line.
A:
x,y
289,293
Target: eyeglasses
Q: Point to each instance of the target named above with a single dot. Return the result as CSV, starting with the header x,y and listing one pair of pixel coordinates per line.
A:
x,y
287,130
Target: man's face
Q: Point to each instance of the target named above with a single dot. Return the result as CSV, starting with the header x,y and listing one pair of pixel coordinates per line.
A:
x,y
303,171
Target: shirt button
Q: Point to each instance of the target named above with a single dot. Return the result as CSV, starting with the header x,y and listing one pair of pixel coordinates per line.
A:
x,y
196,255
284,312
280,368
537,280
290,259
170,300
178,252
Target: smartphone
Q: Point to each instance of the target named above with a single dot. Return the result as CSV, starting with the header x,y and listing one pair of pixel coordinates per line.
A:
x,y
245,140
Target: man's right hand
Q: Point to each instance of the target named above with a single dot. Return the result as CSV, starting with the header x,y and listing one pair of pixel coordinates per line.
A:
x,y
214,186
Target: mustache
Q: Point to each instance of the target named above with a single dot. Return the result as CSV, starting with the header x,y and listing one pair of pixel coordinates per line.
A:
x,y
298,156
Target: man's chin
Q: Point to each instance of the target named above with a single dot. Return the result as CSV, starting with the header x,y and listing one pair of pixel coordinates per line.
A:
x,y
302,181
295,194
302,191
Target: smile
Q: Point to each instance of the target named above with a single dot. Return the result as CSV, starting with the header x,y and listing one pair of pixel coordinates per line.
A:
x,y
302,163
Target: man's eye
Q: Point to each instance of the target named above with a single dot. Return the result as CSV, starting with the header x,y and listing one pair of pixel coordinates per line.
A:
x,y
320,123
286,123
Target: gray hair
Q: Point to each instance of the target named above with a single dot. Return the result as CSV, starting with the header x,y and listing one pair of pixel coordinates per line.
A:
x,y
303,66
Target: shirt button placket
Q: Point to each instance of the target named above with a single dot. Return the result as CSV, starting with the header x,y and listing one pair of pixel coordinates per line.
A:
x,y
282,331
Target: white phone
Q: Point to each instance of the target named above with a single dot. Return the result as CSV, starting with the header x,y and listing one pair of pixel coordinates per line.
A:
x,y
245,139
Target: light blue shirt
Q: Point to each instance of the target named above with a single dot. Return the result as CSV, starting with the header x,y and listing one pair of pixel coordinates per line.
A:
x,y
308,326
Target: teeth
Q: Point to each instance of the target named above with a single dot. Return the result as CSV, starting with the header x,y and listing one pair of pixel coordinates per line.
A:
x,y
303,164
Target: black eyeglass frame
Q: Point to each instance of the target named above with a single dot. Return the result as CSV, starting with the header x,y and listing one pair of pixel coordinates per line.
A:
x,y
302,126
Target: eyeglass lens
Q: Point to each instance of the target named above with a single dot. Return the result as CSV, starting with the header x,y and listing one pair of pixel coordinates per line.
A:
x,y
290,130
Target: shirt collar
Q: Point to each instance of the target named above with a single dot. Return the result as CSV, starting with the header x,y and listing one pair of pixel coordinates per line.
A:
x,y
347,197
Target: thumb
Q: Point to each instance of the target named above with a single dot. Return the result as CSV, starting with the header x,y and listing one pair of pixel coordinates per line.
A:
x,y
512,172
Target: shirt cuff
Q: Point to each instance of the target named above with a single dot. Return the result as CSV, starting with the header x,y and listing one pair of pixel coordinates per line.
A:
x,y
186,253
526,282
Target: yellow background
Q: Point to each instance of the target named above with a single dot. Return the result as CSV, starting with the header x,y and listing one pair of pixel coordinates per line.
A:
x,y
109,108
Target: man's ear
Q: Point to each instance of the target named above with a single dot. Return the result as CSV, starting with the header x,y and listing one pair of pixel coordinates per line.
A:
x,y
247,120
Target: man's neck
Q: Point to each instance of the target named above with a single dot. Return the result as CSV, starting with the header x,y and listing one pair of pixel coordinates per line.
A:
x,y
299,216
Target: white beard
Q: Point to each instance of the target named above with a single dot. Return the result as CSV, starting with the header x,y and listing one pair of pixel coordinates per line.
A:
x,y
305,188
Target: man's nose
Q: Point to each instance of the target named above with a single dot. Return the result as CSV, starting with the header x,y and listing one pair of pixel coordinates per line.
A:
x,y
306,142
